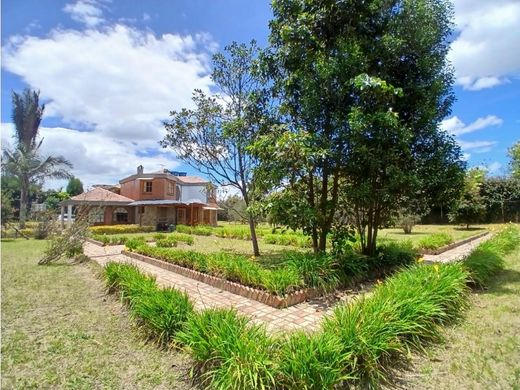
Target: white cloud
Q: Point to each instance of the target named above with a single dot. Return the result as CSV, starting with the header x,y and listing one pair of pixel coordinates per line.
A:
x,y
477,146
494,168
457,127
118,81
485,53
87,12
146,17
97,159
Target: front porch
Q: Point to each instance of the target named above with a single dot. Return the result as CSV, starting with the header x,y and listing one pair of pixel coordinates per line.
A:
x,y
162,216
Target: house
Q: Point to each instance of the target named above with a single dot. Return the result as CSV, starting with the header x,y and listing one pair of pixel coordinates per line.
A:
x,y
150,199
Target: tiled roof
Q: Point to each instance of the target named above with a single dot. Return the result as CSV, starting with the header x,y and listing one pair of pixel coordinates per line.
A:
x,y
98,194
191,180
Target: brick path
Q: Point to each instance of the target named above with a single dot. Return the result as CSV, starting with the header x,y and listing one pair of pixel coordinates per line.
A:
x,y
457,253
306,316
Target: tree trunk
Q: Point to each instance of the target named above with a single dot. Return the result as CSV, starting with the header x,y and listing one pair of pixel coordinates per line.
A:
x,y
24,200
254,239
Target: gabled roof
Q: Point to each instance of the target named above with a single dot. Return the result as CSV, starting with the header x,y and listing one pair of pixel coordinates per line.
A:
x,y
98,195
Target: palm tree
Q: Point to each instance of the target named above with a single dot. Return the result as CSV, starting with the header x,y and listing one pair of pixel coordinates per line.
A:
x,y
25,161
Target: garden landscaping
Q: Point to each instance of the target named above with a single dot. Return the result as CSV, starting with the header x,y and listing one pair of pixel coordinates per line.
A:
x,y
362,343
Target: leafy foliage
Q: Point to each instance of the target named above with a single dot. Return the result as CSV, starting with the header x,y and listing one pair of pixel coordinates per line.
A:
x,y
120,229
435,241
74,186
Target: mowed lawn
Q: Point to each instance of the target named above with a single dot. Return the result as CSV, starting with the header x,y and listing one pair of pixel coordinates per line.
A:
x,y
483,352
60,330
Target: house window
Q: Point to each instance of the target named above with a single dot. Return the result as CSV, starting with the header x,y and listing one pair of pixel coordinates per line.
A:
x,y
120,215
171,188
211,194
147,186
177,192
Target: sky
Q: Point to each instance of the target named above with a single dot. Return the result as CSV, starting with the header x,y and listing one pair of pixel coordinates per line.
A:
x,y
110,71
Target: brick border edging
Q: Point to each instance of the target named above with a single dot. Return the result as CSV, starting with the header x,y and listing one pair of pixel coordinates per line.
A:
x,y
233,287
453,245
95,242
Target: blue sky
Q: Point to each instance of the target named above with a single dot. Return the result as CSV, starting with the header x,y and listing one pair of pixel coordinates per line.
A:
x,y
110,72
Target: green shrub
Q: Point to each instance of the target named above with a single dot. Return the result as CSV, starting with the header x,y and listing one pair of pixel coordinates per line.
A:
x,y
435,241
183,229
228,352
159,236
394,254
181,237
134,243
318,271
127,279
169,242
310,362
353,265
120,229
281,281
162,312
487,259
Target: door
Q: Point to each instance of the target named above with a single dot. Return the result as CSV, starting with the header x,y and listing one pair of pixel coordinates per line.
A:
x,y
181,216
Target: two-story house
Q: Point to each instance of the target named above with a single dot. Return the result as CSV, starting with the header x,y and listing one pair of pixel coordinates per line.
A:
x,y
157,199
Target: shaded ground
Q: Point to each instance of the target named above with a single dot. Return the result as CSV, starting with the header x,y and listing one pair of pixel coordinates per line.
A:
x,y
483,352
60,330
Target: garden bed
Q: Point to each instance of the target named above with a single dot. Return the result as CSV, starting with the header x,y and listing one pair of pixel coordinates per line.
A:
x,y
264,297
453,245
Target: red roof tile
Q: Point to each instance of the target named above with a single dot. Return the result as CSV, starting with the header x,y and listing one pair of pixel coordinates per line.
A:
x,y
98,194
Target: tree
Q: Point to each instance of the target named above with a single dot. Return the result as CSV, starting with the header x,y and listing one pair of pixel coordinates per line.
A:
x,y
213,137
25,161
514,155
470,207
362,87
74,186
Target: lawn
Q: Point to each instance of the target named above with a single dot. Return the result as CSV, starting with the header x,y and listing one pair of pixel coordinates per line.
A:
x,y
421,231
483,352
60,330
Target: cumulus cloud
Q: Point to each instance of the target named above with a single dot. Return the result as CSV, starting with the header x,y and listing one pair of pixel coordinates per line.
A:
x,y
96,158
457,127
485,52
87,12
494,168
120,81
477,146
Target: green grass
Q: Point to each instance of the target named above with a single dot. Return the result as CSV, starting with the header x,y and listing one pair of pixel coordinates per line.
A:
x,y
60,331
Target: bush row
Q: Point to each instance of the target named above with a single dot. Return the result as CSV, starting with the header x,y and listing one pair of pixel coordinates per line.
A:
x,y
160,311
120,229
200,230
228,266
435,241
297,240
487,259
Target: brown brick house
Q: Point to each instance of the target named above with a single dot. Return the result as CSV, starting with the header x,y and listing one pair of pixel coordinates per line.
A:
x,y
157,199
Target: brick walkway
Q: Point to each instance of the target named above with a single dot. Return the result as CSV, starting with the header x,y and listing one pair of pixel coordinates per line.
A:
x,y
457,253
306,315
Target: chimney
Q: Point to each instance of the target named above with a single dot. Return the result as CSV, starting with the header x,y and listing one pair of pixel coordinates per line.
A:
x,y
140,170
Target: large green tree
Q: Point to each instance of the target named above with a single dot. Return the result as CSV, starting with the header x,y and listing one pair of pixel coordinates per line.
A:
x,y
74,186
214,135
362,87
514,155
24,161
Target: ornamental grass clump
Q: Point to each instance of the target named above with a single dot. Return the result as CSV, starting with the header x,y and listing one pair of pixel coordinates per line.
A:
x,y
312,362
161,313
169,242
229,353
318,271
120,229
487,260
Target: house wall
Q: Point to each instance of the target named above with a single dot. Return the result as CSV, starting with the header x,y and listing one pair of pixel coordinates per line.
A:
x,y
193,192
134,189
